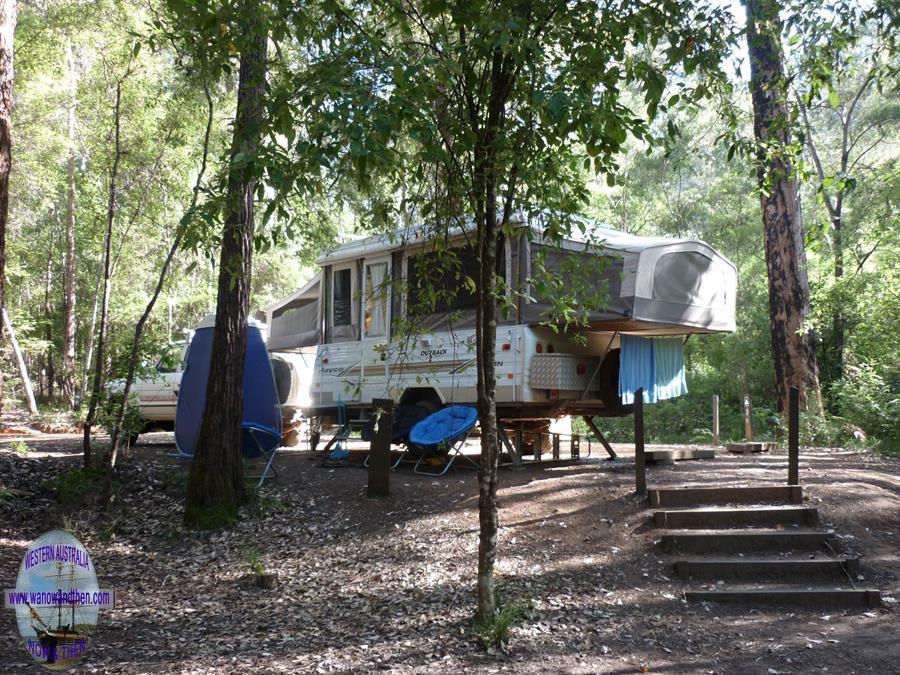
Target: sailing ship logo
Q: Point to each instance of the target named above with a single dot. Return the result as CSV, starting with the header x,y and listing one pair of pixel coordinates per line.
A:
x,y
57,600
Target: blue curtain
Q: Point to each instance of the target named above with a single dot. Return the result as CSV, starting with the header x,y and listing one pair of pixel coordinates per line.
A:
x,y
636,369
668,355
655,365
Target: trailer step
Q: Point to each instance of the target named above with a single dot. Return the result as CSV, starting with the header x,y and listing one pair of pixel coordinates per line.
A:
x,y
732,541
727,517
761,494
777,568
809,597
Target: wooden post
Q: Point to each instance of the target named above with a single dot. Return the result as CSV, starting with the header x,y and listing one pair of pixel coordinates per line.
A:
x,y
715,421
20,362
794,436
748,419
640,469
380,448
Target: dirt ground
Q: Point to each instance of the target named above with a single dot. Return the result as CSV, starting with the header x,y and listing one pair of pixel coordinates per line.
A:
x,y
388,584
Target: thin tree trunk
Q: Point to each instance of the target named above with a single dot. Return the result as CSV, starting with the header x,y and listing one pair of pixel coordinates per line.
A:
x,y
142,202
834,204
215,487
486,329
7,29
487,411
107,258
67,366
47,358
837,318
20,362
89,357
139,328
793,348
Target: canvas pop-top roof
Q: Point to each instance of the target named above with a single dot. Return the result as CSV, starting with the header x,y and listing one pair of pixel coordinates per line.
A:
x,y
652,285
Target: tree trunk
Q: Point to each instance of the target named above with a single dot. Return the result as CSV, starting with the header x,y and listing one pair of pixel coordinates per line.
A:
x,y
793,348
485,187
139,328
486,333
67,366
837,319
20,362
7,29
97,387
215,487
89,355
47,374
834,204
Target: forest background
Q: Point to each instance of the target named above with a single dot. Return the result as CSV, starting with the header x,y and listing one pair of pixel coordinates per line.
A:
x,y
70,57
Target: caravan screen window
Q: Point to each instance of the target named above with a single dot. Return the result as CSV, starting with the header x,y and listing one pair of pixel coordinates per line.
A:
x,y
586,280
376,299
343,297
436,281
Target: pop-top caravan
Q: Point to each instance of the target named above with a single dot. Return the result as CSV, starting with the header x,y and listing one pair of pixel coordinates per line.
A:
x,y
369,343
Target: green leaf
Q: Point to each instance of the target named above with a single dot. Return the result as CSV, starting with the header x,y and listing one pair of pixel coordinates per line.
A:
x,y
834,99
557,104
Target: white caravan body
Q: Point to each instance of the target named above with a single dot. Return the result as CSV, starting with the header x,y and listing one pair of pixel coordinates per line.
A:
x,y
352,312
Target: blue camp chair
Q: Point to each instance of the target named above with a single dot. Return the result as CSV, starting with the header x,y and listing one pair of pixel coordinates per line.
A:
x,y
261,422
442,436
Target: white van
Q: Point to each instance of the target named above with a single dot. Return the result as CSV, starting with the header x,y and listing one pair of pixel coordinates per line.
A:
x,y
157,393
349,315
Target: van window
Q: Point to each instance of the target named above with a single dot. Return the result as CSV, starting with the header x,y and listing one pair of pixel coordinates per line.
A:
x,y
172,359
436,281
376,299
343,297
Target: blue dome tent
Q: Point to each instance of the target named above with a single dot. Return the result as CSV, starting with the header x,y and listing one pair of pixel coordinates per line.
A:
x,y
262,412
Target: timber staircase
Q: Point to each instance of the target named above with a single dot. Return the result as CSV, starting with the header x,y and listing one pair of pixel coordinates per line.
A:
x,y
754,545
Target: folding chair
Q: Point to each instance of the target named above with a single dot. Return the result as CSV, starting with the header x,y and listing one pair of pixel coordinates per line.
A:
x,y
405,418
261,441
442,436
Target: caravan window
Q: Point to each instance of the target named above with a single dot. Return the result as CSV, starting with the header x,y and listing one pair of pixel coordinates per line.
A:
x,y
589,279
375,301
436,283
343,297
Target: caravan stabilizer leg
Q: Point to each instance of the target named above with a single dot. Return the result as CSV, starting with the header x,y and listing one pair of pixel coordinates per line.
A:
x,y
593,427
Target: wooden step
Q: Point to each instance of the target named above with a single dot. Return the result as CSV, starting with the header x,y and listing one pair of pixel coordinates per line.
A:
x,y
678,455
751,494
806,597
726,517
762,568
749,447
728,541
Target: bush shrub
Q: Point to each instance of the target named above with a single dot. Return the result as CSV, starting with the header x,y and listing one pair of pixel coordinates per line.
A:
x,y
863,398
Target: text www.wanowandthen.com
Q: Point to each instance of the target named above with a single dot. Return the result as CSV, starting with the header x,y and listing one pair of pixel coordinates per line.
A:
x,y
74,596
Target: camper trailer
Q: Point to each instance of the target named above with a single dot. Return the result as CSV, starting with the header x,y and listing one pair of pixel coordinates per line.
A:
x,y
362,320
